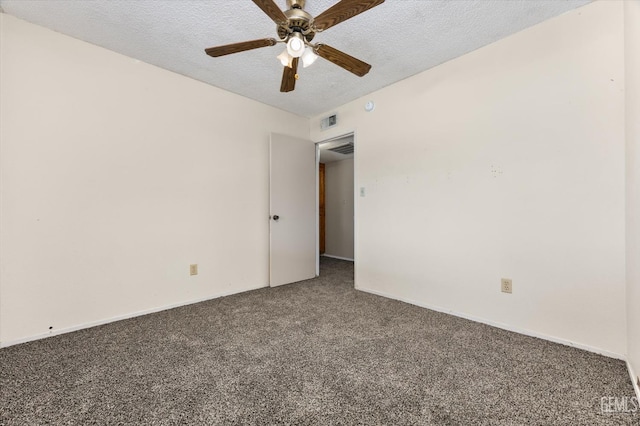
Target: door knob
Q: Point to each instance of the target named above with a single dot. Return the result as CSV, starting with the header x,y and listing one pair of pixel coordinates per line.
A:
x,y
276,217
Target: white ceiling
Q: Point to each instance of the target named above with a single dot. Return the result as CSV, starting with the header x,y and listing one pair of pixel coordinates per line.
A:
x,y
399,38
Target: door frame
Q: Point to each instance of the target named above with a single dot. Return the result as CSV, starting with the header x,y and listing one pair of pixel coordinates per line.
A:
x,y
355,198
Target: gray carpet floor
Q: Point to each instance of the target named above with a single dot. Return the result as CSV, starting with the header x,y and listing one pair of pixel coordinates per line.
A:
x,y
315,352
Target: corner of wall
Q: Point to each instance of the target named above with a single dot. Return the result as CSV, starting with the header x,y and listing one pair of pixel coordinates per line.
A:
x,y
113,201
632,135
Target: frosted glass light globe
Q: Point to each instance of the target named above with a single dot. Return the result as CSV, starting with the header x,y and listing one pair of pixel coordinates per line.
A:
x,y
295,45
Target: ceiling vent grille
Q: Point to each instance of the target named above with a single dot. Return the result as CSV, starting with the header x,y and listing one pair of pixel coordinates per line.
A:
x,y
343,149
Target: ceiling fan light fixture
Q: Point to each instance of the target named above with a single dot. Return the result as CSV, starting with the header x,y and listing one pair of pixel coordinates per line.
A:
x,y
308,57
285,58
297,28
295,45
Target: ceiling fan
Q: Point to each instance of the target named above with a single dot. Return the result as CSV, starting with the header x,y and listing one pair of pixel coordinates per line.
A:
x,y
297,28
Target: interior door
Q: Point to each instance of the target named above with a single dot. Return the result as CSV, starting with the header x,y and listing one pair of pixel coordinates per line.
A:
x,y
321,209
292,251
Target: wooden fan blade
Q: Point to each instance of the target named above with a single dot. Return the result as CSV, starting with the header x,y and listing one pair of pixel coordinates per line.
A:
x,y
289,77
342,11
239,47
343,60
272,10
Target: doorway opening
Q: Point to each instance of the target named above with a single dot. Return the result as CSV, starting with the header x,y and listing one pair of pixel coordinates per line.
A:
x,y
336,199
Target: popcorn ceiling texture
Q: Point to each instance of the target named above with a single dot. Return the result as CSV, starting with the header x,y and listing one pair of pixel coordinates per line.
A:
x,y
399,38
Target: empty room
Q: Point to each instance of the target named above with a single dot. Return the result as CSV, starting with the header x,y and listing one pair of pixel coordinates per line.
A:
x,y
177,247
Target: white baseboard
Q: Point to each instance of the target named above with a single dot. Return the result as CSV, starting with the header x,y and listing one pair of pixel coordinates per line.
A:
x,y
120,317
634,378
337,257
499,325
378,293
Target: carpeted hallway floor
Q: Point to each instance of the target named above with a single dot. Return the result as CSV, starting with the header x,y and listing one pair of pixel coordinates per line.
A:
x,y
316,352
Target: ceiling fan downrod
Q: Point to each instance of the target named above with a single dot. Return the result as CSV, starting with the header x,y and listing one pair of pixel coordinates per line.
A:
x,y
296,4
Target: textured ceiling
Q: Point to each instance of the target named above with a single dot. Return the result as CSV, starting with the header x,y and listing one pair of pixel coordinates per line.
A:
x,y
399,38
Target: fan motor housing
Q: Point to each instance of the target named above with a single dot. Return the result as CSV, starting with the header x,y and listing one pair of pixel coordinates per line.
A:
x,y
297,21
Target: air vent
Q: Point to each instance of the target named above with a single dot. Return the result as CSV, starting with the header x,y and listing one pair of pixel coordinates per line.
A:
x,y
343,149
329,121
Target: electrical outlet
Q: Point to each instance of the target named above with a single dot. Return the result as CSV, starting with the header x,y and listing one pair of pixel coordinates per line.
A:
x,y
506,285
193,269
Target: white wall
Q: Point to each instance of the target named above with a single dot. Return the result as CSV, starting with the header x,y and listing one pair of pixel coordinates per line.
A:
x,y
506,162
117,175
632,61
339,208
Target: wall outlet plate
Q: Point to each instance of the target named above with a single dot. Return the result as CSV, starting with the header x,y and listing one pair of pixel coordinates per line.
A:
x,y
193,269
506,285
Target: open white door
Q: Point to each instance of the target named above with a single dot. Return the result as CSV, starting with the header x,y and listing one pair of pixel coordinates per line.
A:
x,y
292,210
